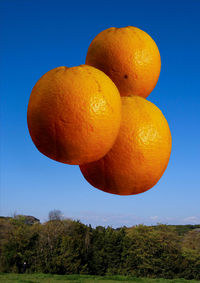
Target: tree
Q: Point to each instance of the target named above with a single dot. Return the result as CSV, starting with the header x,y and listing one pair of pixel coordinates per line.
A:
x,y
20,246
55,215
191,254
154,252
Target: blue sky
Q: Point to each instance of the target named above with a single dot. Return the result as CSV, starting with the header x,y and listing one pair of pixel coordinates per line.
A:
x,y
37,36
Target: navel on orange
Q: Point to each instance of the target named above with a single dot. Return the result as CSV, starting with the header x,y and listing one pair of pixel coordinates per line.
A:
x,y
129,56
139,155
74,114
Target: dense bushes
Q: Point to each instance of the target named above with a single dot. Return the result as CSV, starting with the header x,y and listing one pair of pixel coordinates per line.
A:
x,y
70,247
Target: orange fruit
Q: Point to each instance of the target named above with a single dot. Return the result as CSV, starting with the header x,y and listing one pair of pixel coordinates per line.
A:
x,y
74,114
129,56
139,155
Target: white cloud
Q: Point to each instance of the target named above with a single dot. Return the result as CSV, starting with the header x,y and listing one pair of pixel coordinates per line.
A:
x,y
192,219
154,217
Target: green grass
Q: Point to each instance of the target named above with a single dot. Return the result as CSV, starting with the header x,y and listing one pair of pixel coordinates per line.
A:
x,y
50,278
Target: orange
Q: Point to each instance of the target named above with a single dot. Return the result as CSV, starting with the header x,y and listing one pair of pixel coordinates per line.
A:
x,y
129,56
74,114
140,154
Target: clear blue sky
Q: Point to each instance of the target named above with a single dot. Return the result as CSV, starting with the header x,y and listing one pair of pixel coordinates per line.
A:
x,y
37,36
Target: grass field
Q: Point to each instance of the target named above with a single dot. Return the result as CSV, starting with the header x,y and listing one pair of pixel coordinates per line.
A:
x,y
49,278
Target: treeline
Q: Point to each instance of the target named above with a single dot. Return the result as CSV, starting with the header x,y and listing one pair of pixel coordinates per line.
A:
x,y
70,247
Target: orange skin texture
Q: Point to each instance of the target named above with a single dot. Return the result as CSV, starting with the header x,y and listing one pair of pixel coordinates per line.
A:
x,y
74,114
129,56
140,154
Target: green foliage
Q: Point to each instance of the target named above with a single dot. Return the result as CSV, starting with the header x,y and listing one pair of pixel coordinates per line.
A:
x,y
183,229
154,252
70,247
